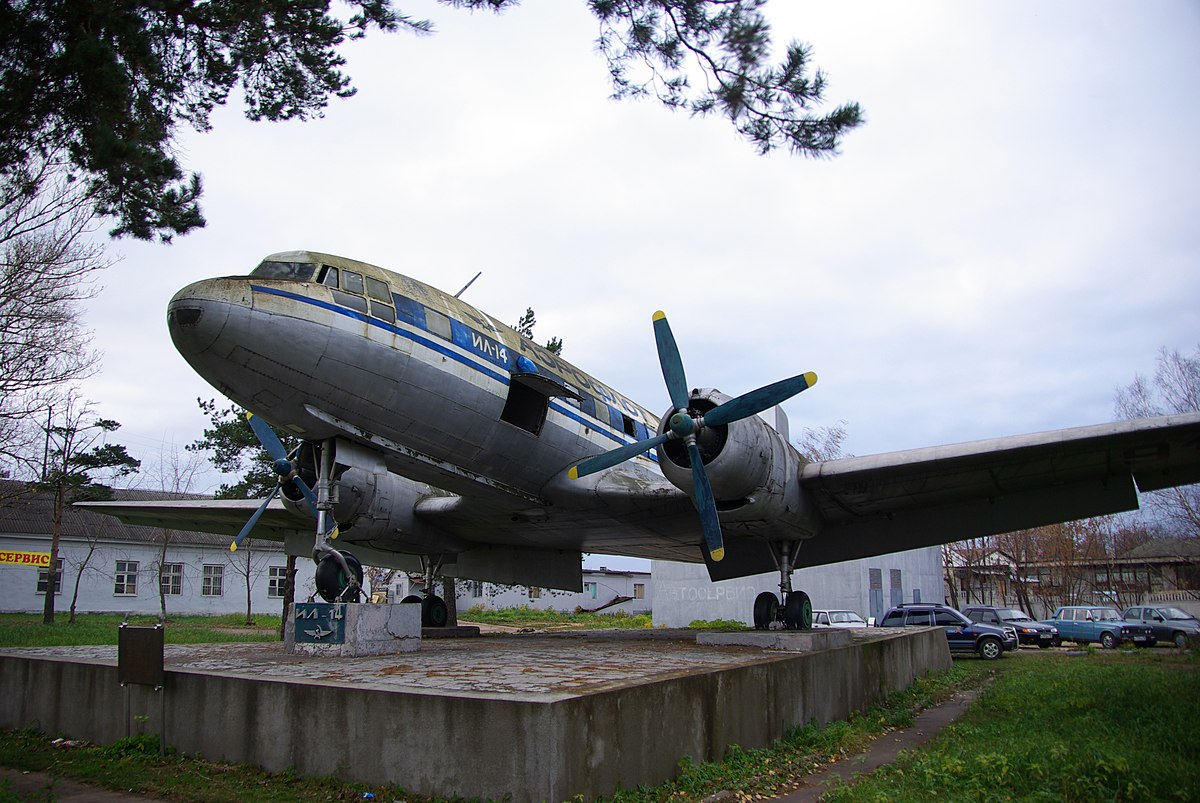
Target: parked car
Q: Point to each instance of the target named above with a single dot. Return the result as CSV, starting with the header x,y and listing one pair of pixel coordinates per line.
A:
x,y
1099,623
1029,631
1167,623
837,619
962,635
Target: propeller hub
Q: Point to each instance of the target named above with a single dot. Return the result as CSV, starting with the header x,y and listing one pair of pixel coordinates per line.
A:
x,y
282,466
682,424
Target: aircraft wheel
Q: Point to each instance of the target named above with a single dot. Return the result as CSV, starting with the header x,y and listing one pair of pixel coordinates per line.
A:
x,y
797,611
433,612
766,606
411,598
332,581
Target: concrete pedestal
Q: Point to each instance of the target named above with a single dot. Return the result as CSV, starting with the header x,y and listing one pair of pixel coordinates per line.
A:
x,y
351,630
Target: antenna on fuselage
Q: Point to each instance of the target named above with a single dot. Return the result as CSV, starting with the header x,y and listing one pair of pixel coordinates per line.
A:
x,y
468,284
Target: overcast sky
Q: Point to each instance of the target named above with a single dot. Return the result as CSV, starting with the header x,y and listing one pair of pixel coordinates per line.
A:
x,y
1011,236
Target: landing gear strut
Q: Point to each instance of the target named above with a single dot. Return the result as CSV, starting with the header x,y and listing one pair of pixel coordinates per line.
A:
x,y
339,575
796,611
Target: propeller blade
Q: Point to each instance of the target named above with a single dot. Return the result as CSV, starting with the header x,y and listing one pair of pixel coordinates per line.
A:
x,y
756,401
706,504
267,437
241,536
618,455
671,362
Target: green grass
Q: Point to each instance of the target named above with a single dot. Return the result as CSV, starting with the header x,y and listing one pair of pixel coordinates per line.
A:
x,y
27,630
1112,725
524,616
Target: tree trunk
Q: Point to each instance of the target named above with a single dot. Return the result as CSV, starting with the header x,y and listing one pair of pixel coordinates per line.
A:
x,y
60,495
75,594
450,595
289,594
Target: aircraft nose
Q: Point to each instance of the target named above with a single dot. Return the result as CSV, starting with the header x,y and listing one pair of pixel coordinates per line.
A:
x,y
197,315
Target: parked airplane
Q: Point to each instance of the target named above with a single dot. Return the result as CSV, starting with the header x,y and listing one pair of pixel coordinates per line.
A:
x,y
436,438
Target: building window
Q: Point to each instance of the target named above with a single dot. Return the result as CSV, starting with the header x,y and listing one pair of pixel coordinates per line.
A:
x,y
43,577
125,582
171,579
212,583
276,581
535,592
639,590
589,590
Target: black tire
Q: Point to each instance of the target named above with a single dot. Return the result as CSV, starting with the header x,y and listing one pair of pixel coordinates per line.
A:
x,y
411,598
766,606
433,612
797,611
332,581
989,648
1180,640
1107,640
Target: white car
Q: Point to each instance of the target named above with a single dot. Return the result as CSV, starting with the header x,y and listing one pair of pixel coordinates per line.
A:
x,y
837,619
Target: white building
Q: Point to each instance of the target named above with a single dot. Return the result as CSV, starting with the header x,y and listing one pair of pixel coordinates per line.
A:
x,y
683,593
604,591
107,566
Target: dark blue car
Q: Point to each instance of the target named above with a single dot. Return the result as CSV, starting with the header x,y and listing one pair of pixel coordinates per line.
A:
x,y
962,635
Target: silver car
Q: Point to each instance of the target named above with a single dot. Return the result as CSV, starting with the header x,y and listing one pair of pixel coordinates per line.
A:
x,y
837,619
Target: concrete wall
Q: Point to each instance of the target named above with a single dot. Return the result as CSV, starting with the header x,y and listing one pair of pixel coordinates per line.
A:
x,y
474,746
95,573
683,593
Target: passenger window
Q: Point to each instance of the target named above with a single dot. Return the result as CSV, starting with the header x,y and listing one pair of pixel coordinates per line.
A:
x,y
352,282
378,290
946,619
918,618
437,323
328,276
894,618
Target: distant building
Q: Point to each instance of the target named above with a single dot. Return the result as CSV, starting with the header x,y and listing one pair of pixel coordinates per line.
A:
x,y
115,566
604,591
683,593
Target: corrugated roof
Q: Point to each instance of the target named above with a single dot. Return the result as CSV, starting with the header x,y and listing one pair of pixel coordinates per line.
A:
x,y
23,512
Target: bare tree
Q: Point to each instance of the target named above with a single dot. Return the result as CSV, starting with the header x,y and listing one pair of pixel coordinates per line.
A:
x,y
47,269
1174,388
71,457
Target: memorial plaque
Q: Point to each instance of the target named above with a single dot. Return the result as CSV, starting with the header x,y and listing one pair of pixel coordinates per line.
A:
x,y
320,623
140,655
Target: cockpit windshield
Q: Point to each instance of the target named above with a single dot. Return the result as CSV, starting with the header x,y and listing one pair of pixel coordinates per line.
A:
x,y
296,271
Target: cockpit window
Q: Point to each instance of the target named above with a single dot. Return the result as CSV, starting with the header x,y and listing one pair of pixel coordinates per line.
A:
x,y
352,282
328,276
378,290
296,271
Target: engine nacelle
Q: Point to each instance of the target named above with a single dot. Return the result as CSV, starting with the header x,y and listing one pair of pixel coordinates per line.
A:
x,y
376,509
752,469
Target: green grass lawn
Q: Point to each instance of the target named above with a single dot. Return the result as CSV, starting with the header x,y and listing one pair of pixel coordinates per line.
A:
x,y
1110,725
27,630
524,616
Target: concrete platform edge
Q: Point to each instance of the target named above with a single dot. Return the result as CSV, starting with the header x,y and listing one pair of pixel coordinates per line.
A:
x,y
528,748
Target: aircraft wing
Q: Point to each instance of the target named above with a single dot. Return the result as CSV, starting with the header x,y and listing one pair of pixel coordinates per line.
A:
x,y
218,516
903,500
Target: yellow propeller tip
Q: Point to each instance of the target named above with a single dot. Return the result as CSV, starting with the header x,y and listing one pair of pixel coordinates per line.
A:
x,y
717,554
810,378
573,473
659,315
233,547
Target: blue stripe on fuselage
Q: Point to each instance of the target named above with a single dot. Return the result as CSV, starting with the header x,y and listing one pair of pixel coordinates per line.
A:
x,y
465,338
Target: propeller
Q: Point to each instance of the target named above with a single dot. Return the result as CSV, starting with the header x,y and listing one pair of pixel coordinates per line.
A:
x,y
685,426
283,467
